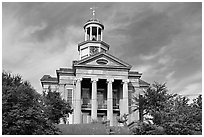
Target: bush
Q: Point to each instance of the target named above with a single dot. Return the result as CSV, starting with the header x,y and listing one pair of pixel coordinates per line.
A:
x,y
142,128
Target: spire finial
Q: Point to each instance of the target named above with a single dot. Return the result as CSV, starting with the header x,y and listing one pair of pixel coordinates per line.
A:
x,y
93,11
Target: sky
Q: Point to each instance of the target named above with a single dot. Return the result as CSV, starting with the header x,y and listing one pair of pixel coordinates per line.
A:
x,y
161,40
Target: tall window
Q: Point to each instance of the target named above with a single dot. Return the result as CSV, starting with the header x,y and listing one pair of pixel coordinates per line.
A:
x,y
115,99
69,96
85,97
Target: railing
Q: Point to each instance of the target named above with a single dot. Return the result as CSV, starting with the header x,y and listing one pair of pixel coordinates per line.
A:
x,y
101,105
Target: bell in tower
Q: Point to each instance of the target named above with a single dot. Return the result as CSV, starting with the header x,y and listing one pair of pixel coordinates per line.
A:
x,y
93,38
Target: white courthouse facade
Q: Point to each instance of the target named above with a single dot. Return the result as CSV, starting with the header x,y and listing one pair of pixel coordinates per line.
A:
x,y
99,86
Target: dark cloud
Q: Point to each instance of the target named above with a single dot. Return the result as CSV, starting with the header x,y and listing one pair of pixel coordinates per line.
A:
x,y
161,39
155,29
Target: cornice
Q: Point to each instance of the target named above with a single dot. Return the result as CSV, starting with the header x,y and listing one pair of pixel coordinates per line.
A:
x,y
102,67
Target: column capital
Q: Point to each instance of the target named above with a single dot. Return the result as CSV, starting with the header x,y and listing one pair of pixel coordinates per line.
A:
x,y
110,80
94,79
125,80
78,79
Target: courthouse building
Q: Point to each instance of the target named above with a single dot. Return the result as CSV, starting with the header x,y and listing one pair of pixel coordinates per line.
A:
x,y
99,86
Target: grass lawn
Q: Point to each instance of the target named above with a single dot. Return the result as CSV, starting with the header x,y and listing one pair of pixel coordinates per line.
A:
x,y
90,129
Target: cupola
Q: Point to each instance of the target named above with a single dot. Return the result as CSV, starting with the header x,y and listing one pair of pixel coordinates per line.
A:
x,y
93,38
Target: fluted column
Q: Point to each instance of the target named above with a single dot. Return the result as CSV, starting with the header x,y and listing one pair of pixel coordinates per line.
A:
x,y
125,97
94,99
77,109
110,101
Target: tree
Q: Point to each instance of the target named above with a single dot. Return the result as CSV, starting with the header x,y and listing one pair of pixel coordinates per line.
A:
x,y
196,117
197,102
186,118
55,107
171,112
22,108
153,102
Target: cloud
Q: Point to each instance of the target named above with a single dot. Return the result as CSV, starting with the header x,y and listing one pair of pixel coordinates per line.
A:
x,y
169,76
192,88
24,54
164,60
143,68
147,57
161,40
192,91
183,85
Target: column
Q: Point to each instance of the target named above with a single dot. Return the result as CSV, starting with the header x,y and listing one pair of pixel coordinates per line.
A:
x,y
101,35
77,109
97,34
121,99
85,36
125,96
110,101
94,99
90,33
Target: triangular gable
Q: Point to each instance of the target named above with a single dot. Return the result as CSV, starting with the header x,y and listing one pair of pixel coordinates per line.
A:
x,y
102,59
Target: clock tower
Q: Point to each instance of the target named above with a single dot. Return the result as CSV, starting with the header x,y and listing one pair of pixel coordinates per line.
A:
x,y
93,38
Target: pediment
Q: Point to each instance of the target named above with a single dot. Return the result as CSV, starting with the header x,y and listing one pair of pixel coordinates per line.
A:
x,y
103,59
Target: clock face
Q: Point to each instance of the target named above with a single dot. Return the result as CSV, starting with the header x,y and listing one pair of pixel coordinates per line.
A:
x,y
93,50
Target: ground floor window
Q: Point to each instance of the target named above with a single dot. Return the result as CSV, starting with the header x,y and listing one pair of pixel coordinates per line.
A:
x,y
69,96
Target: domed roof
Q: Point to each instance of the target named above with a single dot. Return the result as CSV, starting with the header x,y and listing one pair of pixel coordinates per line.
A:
x,y
93,21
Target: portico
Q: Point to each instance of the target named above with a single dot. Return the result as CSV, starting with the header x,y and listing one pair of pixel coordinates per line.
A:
x,y
93,97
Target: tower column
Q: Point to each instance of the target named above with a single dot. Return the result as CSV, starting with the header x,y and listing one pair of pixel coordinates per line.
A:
x,y
77,109
125,96
91,33
101,35
97,35
85,36
110,101
94,99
